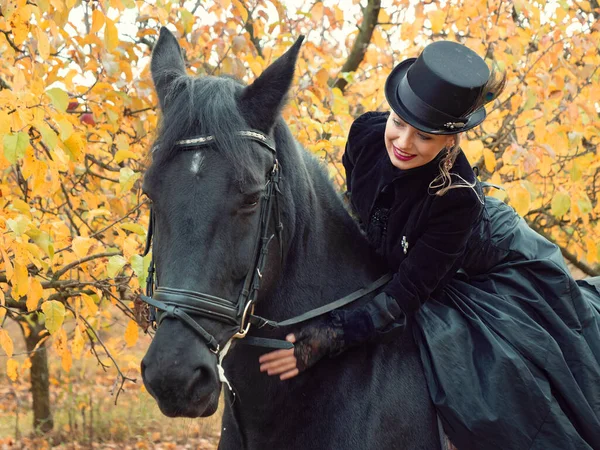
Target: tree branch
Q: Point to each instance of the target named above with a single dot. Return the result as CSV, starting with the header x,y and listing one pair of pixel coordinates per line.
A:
x,y
68,267
588,270
357,54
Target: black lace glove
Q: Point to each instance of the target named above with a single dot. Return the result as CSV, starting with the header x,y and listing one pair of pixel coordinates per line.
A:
x,y
341,330
380,318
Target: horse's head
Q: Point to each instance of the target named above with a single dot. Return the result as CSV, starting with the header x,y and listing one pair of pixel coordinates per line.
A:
x,y
213,168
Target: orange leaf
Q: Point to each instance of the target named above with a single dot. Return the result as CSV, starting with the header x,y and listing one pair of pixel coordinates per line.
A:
x,y
6,342
97,21
35,294
131,333
8,267
12,369
20,281
437,19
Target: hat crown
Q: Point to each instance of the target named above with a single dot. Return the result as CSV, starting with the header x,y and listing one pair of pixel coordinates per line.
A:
x,y
449,77
439,92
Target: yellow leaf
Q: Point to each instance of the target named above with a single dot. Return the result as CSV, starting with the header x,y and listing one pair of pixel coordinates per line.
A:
x,y
4,122
55,315
6,342
131,333
90,304
12,369
20,281
42,43
473,149
81,245
8,267
490,160
35,294
75,146
437,19
243,12
121,142
592,250
520,199
111,35
77,343
97,21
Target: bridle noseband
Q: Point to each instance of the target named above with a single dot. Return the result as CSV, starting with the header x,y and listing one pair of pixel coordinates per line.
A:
x,y
183,304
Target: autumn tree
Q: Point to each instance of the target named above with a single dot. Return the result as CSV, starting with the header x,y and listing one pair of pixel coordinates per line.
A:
x,y
77,117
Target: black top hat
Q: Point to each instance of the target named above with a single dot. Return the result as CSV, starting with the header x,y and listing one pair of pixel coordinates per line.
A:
x,y
436,91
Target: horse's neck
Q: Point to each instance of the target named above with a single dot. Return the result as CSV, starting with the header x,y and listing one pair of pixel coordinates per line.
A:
x,y
328,257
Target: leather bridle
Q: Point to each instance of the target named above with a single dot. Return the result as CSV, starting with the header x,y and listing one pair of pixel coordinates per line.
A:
x,y
183,304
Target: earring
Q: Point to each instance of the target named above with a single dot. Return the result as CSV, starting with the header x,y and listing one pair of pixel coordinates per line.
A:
x,y
448,161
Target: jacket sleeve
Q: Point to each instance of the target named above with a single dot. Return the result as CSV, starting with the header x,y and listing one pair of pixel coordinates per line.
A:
x,y
429,264
438,251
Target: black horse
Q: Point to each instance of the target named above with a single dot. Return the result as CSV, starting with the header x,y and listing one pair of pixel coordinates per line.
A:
x,y
207,195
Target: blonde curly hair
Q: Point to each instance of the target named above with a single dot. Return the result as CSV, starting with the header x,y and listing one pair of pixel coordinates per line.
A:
x,y
444,181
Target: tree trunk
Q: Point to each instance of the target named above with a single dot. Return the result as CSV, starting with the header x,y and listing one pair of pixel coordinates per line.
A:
x,y
357,54
40,387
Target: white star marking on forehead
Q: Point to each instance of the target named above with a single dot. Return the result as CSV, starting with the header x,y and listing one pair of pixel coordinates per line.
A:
x,y
197,161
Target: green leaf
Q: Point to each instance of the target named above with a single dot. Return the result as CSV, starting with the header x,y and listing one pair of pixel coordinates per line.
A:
x,y
15,145
576,172
42,240
140,266
134,227
55,315
561,203
66,129
126,178
585,205
115,264
49,137
60,99
18,225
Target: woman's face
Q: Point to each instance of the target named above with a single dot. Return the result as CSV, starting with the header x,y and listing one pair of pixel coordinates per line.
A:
x,y
408,147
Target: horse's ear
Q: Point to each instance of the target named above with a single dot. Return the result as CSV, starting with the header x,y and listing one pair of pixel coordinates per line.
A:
x,y
261,102
166,64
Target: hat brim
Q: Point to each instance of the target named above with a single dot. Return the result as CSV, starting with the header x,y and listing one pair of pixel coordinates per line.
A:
x,y
395,102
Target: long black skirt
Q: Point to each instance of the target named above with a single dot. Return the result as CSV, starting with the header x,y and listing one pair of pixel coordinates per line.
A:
x,y
511,348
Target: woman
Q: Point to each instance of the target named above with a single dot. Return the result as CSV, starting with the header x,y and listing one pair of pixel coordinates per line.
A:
x,y
510,343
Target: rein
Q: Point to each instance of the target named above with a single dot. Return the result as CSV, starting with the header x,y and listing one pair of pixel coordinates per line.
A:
x,y
183,304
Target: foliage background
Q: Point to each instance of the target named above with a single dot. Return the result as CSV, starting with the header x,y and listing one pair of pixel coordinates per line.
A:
x,y
78,113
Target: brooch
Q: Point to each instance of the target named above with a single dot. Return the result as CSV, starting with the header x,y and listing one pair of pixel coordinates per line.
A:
x,y
404,244
453,125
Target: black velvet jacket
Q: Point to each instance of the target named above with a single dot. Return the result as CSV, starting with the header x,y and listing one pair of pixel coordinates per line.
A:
x,y
422,236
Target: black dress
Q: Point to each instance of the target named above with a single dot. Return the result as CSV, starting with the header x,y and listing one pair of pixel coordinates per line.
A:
x,y
509,341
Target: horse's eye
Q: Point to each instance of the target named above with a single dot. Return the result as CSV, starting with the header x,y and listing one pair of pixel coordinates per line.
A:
x,y
251,202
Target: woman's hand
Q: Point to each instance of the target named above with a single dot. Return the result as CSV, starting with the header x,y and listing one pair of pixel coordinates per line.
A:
x,y
280,362
311,344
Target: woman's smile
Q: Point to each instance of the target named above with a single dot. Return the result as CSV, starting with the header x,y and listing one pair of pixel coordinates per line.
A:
x,y
402,155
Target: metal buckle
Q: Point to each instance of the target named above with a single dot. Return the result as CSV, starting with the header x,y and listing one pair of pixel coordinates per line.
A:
x,y
245,327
